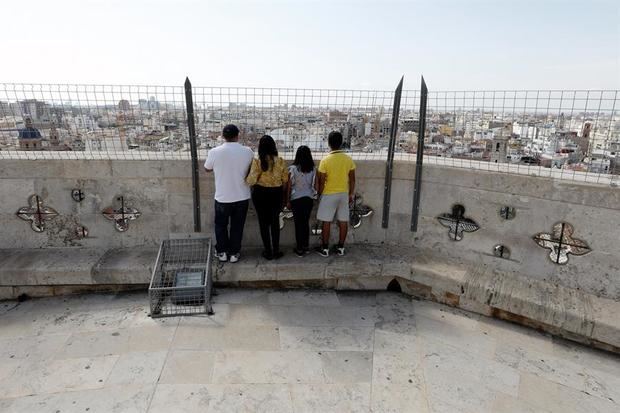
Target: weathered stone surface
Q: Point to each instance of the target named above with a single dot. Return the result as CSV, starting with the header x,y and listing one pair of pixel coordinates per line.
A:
x,y
161,190
424,274
47,266
6,293
125,266
282,351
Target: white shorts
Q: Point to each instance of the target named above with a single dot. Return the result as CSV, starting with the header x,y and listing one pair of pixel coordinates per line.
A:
x,y
332,205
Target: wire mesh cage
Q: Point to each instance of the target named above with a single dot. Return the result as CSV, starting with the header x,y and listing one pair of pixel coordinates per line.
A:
x,y
181,283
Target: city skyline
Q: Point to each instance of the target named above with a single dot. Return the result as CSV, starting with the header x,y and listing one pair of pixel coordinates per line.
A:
x,y
123,120
315,44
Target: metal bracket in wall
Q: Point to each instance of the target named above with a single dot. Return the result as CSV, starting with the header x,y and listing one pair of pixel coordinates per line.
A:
x,y
36,213
357,211
501,251
456,222
507,212
561,243
121,215
77,195
80,232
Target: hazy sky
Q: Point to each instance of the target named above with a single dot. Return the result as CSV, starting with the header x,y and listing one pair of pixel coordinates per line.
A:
x,y
467,44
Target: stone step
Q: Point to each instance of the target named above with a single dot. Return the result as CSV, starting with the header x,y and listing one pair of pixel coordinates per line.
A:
x,y
421,273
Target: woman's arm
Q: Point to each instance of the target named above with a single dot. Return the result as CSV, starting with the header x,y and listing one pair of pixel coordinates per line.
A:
x,y
287,192
254,173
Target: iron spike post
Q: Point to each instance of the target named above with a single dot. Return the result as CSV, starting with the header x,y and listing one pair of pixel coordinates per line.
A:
x,y
390,158
419,158
189,102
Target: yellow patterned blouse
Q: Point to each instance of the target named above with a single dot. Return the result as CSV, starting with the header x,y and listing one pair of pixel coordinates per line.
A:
x,y
276,175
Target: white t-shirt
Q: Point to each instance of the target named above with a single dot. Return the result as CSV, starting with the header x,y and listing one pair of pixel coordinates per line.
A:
x,y
230,163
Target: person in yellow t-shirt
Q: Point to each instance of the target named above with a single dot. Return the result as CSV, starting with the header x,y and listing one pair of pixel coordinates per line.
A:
x,y
336,185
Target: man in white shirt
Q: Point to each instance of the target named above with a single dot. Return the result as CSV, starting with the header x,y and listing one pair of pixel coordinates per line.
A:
x,y
230,163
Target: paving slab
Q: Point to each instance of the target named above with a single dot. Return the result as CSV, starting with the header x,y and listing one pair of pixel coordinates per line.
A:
x,y
409,356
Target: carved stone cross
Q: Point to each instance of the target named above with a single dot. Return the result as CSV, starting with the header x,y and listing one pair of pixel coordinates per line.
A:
x,y
561,243
36,213
457,223
121,215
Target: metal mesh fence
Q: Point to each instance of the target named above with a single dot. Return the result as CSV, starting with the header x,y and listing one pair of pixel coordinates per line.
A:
x,y
92,122
565,134
295,117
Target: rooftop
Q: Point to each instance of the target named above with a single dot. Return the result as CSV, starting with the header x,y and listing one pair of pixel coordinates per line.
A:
x,y
290,350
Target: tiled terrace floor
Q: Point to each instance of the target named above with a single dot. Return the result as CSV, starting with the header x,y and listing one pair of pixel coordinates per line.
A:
x,y
289,351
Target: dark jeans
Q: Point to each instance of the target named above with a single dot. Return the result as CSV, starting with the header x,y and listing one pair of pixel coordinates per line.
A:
x,y
302,208
268,204
235,212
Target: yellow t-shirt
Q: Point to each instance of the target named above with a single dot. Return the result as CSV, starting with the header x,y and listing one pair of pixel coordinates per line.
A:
x,y
336,166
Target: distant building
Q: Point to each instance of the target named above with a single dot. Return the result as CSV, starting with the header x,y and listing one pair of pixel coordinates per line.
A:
x,y
498,149
599,166
33,109
410,125
29,137
54,137
5,109
335,116
446,130
153,104
586,130
124,105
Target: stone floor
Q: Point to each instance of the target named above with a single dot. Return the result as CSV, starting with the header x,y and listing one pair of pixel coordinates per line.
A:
x,y
289,351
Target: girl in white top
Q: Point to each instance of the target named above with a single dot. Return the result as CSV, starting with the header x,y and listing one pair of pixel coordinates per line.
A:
x,y
301,193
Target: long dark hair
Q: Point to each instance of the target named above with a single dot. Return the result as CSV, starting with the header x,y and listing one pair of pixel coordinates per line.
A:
x,y
266,151
303,159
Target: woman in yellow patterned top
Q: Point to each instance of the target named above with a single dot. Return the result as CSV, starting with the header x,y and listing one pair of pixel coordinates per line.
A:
x,y
268,176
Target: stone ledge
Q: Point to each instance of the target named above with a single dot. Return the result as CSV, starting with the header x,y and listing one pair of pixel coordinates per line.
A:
x,y
559,310
50,266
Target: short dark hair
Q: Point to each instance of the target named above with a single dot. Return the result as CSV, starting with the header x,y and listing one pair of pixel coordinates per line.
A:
x,y
334,140
230,132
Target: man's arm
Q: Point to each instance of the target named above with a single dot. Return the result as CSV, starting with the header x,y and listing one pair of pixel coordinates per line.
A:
x,y
320,182
351,184
209,163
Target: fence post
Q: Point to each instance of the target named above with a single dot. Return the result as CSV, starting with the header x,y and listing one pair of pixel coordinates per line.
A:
x,y
390,159
189,102
419,157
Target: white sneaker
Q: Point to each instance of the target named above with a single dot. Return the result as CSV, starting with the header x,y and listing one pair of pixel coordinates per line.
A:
x,y
234,257
222,256
339,249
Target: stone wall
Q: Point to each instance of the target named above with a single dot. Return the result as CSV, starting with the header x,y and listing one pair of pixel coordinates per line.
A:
x,y
161,191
